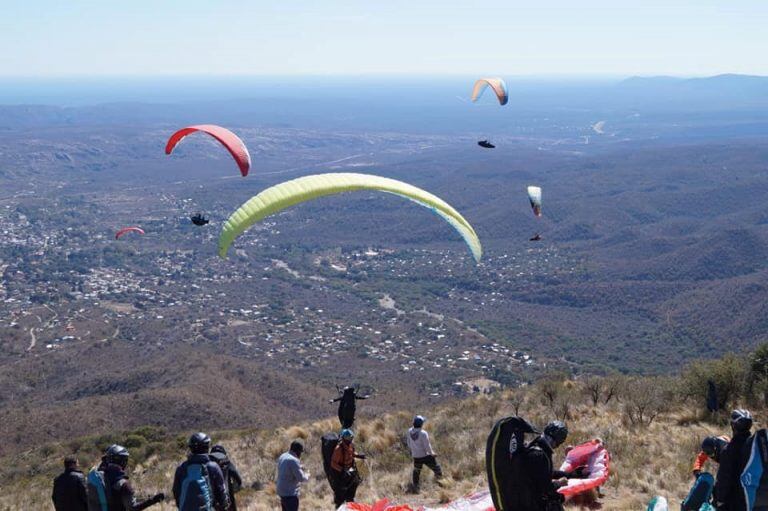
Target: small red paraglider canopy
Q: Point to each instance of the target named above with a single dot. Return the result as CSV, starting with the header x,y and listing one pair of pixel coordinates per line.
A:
x,y
128,229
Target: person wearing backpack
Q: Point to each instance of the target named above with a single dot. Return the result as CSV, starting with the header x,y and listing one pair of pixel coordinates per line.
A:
x,y
290,475
69,488
198,484
345,475
534,487
421,452
232,479
728,494
109,488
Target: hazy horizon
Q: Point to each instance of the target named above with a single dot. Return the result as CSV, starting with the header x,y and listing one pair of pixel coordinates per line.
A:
x,y
232,37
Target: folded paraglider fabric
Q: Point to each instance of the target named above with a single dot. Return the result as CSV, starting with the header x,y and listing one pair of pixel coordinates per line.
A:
x,y
594,460
480,501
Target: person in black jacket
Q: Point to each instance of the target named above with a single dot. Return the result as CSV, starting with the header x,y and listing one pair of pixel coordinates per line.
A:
x,y
728,494
199,449
120,494
535,489
232,479
69,488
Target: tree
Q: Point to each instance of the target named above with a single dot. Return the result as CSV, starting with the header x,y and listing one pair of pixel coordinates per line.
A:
x,y
593,387
757,379
729,374
645,399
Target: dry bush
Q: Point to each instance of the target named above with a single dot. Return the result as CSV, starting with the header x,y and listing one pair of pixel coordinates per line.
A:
x,y
645,399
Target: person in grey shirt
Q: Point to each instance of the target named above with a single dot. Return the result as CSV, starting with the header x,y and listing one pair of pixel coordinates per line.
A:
x,y
290,475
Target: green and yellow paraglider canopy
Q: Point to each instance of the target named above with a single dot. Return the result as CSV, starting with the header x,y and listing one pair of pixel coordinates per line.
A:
x,y
295,191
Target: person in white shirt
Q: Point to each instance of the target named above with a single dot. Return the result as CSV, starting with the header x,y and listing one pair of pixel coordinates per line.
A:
x,y
421,452
290,475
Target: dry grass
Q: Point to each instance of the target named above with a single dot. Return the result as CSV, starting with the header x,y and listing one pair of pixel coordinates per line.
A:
x,y
645,461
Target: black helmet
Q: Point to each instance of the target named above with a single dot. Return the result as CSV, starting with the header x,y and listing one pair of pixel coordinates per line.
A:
x,y
557,431
418,421
712,446
741,421
117,454
218,448
199,443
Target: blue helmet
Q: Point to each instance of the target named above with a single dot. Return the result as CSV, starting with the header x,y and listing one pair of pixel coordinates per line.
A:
x,y
419,421
347,433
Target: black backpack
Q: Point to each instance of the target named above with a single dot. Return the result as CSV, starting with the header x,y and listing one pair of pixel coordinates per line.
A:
x,y
506,441
329,443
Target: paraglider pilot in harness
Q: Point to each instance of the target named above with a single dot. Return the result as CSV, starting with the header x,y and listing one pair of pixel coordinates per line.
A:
x,y
728,493
198,219
345,475
109,487
347,407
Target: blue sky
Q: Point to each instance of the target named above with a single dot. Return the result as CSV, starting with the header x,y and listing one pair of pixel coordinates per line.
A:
x,y
331,37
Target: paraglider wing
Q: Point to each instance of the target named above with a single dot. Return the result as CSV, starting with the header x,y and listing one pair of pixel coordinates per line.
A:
x,y
594,459
295,191
480,501
232,142
534,196
496,84
124,230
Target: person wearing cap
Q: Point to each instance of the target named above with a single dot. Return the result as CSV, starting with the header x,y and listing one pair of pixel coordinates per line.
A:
x,y
290,475
343,465
711,448
421,452
728,494
69,488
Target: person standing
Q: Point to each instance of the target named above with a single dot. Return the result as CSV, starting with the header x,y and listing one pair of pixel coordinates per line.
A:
x,y
232,479
535,488
346,477
290,475
198,482
421,452
728,492
69,488
119,493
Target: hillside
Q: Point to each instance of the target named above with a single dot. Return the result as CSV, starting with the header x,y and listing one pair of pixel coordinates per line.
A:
x,y
646,460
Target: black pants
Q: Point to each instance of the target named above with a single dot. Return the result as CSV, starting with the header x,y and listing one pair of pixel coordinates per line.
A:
x,y
345,488
289,503
429,461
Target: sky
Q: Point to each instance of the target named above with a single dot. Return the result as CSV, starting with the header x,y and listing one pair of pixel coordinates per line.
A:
x,y
54,38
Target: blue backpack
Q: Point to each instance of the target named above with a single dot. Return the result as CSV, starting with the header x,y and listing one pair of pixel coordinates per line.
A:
x,y
700,494
754,478
196,493
97,491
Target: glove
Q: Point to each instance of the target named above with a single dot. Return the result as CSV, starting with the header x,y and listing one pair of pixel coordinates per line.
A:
x,y
696,474
360,456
